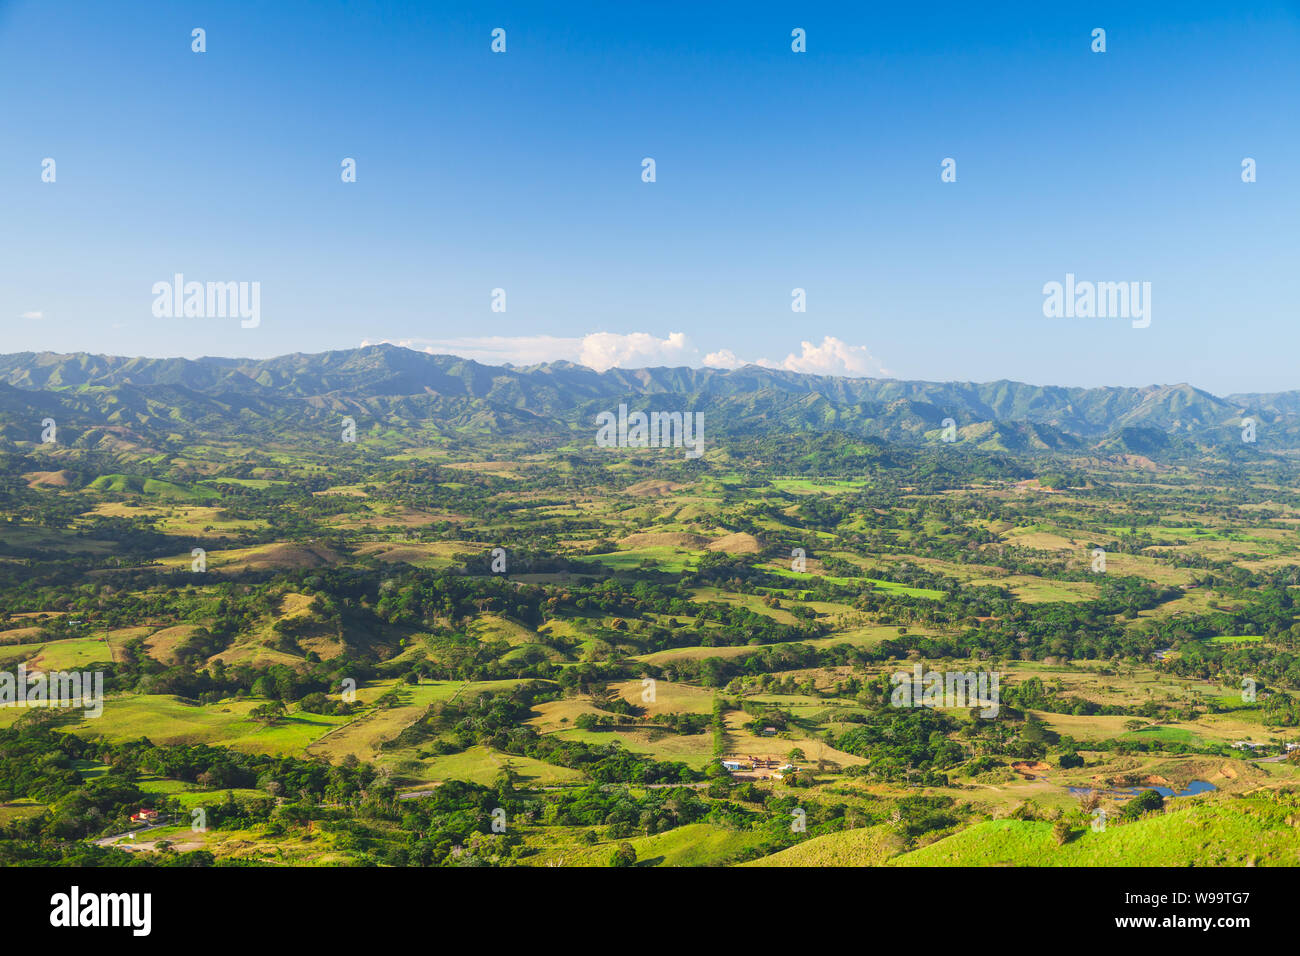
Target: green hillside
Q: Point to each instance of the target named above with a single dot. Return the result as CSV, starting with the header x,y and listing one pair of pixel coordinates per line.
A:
x,y
1240,832
696,844
151,488
869,846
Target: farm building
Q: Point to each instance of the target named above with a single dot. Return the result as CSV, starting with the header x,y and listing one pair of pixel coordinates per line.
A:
x,y
752,767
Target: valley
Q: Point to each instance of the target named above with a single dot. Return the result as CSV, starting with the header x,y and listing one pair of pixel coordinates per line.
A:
x,y
459,643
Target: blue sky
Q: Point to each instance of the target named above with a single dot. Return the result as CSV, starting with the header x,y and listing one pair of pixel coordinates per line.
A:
x,y
775,170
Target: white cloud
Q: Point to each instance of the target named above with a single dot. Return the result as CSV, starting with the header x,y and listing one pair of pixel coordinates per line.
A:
x,y
638,350
834,357
34,315
605,350
723,358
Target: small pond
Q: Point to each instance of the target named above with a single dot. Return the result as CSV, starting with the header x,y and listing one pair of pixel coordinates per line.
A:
x,y
1193,788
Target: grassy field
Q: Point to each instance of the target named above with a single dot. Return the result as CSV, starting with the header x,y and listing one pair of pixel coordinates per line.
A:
x,y
868,846
482,765
1208,833
169,720
697,844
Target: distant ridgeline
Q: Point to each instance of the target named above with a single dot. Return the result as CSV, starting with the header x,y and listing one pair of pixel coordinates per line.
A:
x,y
387,387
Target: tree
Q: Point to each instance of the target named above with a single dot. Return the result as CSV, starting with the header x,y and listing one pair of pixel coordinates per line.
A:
x,y
1145,802
268,713
1061,831
624,855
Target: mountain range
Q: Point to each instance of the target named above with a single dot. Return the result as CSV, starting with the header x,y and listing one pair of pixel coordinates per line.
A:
x,y
149,397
